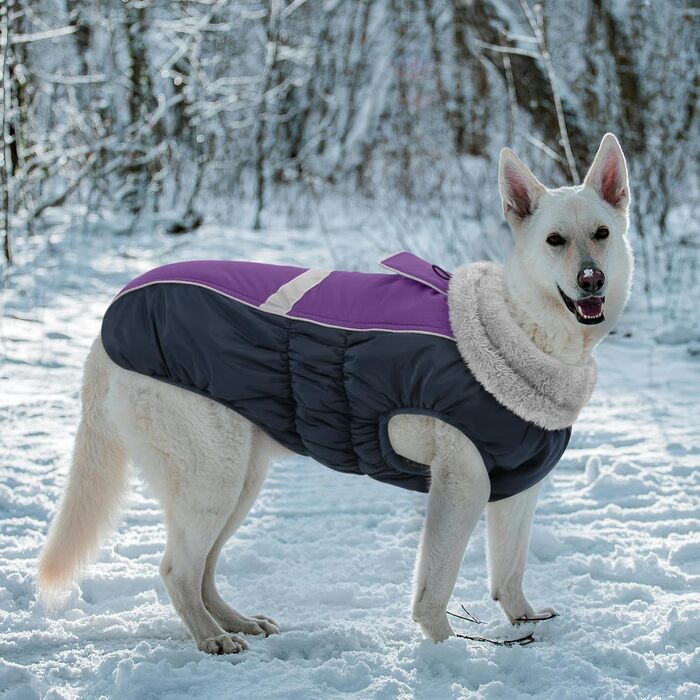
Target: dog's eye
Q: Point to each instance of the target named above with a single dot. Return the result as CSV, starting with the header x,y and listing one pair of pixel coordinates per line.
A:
x,y
554,239
601,234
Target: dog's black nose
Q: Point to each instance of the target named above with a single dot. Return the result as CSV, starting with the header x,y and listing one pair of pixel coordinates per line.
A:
x,y
591,279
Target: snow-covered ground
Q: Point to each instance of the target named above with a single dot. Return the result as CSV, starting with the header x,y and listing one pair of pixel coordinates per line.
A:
x,y
615,548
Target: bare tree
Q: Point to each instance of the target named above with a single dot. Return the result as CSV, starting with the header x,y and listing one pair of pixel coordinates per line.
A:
x,y
474,136
155,106
141,103
534,86
5,166
271,49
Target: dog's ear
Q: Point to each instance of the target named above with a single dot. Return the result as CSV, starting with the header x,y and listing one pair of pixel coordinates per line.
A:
x,y
608,174
520,189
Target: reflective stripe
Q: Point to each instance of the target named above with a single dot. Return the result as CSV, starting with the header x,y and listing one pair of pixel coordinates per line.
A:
x,y
282,301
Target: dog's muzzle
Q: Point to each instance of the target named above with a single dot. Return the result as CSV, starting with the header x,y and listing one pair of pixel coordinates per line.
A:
x,y
589,311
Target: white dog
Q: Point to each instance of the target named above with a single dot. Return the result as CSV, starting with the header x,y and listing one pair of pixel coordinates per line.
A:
x,y
563,289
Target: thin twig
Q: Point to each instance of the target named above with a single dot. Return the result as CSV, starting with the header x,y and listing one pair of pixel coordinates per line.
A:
x,y
462,617
291,7
520,641
544,148
525,618
40,36
470,617
512,95
58,199
505,49
15,317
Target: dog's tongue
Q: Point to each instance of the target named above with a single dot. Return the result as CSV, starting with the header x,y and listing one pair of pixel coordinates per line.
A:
x,y
590,307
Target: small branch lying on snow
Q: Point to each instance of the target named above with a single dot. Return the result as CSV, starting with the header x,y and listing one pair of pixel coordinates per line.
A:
x,y
469,616
537,618
519,641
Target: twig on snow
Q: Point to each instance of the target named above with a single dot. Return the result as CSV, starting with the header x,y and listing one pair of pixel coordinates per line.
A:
x,y
470,617
520,641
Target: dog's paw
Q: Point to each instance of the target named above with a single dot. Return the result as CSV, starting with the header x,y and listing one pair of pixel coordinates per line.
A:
x,y
255,624
437,628
258,624
266,625
222,644
517,608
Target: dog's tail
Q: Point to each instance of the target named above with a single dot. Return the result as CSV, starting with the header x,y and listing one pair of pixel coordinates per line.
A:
x,y
97,478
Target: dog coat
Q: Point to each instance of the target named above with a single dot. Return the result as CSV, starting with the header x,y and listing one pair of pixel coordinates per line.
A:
x,y
321,360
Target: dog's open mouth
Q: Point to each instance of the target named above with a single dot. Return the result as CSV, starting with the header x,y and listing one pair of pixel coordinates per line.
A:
x,y
588,311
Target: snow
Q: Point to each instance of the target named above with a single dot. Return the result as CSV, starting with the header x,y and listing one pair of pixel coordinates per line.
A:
x,y
615,547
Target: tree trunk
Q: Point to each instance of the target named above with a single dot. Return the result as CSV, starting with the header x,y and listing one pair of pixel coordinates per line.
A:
x,y
5,167
453,105
354,70
474,138
531,83
620,47
82,33
403,114
271,48
140,102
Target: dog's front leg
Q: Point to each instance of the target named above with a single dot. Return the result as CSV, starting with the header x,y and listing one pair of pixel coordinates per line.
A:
x,y
508,523
459,491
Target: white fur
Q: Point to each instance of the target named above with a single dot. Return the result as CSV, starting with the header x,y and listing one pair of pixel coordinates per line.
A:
x,y
206,463
534,269
538,387
508,525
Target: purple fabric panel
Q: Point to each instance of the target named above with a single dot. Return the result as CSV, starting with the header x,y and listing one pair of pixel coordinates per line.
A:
x,y
417,268
361,300
248,281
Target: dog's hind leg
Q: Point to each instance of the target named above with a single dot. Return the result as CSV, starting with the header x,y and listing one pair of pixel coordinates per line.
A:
x,y
230,619
191,532
195,460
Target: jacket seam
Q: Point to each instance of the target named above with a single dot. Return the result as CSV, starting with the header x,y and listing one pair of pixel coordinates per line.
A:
x,y
346,395
382,324
292,394
320,320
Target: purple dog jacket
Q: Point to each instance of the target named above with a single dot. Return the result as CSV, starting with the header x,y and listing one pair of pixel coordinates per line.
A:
x,y
321,360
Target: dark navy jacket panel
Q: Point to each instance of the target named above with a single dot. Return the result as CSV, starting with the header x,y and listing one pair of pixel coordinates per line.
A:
x,y
186,336
316,355
324,392
539,453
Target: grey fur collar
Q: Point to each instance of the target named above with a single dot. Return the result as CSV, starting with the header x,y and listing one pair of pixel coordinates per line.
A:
x,y
535,386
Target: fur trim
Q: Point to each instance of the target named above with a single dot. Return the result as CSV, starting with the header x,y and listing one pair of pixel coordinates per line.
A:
x,y
535,386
